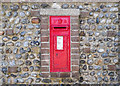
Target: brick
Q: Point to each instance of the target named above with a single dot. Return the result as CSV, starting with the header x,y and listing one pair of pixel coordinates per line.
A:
x,y
74,21
75,56
75,74
9,32
74,27
44,27
75,39
75,68
44,17
45,45
75,45
54,75
74,33
35,13
74,17
45,75
44,20
45,51
44,33
12,69
86,50
44,69
1,33
84,14
82,33
111,33
75,62
44,39
44,57
112,67
65,74
75,51
35,20
45,63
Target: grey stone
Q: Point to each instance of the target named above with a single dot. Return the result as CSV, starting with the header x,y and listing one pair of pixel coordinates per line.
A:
x,y
90,21
98,73
90,67
87,27
80,7
25,7
9,14
99,79
21,38
92,73
107,15
84,67
20,62
37,80
73,6
46,80
25,75
31,56
25,56
22,50
102,6
15,38
36,68
18,56
15,14
23,33
82,61
37,26
20,80
30,26
105,79
4,70
36,62
18,44
99,27
35,6
90,61
111,73
104,10
27,13
2,13
113,15
33,74
17,20
25,21
115,60
113,9
22,14
3,25
116,21
107,61
112,55
65,6
5,7
14,7
28,49
28,62
29,38
104,73
31,68
26,44
12,63
29,80
91,13
44,5
97,67
83,56
97,20
101,15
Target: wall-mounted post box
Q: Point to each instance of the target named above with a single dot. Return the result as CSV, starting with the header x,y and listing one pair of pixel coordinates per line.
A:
x,y
59,43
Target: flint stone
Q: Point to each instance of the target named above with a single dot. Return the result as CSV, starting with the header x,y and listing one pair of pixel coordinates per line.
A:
x,y
25,7
15,38
4,70
14,7
65,6
45,5
46,80
35,6
90,21
15,14
22,14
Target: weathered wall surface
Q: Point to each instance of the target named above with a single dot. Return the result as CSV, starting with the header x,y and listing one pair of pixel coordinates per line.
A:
x,y
24,43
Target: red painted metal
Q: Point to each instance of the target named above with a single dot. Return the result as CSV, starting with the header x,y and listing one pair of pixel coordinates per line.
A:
x,y
59,43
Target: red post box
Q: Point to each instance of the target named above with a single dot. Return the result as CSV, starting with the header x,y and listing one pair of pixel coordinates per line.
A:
x,y
59,43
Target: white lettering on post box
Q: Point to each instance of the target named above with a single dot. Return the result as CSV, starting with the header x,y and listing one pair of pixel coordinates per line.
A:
x,y
59,42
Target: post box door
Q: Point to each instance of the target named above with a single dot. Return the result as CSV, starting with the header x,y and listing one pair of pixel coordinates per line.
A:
x,y
60,48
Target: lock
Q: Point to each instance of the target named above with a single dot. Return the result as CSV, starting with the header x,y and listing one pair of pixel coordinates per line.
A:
x,y
59,43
